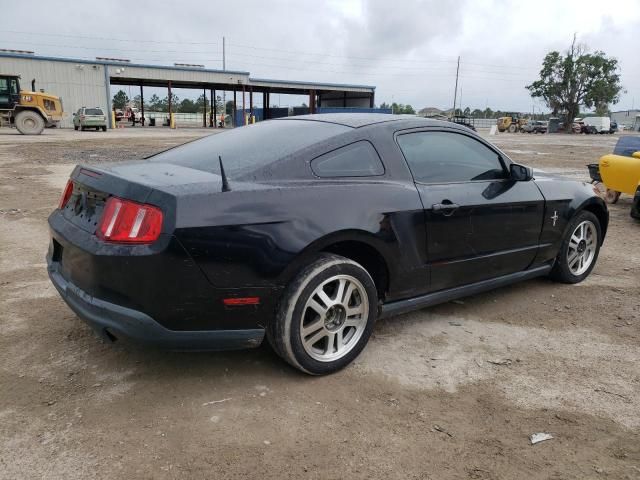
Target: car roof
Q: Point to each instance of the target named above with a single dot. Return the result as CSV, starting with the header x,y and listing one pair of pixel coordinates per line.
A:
x,y
357,120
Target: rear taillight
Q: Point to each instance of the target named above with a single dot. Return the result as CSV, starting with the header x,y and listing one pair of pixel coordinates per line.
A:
x,y
66,195
124,221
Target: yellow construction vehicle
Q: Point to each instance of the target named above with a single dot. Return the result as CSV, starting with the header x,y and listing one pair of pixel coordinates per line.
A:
x,y
511,123
28,111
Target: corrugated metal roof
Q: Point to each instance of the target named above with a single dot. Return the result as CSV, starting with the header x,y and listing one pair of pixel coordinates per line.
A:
x,y
316,84
119,64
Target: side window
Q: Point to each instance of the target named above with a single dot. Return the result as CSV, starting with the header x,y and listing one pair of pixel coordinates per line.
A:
x,y
359,159
4,86
443,157
14,86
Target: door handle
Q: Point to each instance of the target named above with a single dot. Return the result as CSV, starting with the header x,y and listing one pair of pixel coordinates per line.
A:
x,y
445,208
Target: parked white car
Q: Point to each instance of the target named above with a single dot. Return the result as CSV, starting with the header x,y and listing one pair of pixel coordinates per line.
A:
x,y
599,124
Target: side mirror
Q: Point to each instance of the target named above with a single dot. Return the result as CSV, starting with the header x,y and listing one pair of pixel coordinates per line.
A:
x,y
520,173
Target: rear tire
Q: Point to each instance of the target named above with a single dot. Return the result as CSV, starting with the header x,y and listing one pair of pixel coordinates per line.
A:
x,y
326,316
75,127
82,129
579,250
29,122
104,129
611,196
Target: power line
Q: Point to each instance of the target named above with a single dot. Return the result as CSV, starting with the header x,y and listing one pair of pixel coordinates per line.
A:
x,y
163,42
253,47
82,47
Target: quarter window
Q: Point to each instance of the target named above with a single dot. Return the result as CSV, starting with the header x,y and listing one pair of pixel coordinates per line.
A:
x,y
358,159
444,157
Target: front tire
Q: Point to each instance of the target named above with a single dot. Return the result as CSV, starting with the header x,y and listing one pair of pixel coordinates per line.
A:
x,y
326,316
29,122
579,250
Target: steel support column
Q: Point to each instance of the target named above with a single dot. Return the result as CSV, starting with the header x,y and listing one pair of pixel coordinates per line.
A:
x,y
141,106
213,118
204,108
250,102
312,101
244,107
265,106
235,109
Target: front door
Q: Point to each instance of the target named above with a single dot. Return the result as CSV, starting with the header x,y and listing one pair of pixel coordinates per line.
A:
x,y
9,92
480,224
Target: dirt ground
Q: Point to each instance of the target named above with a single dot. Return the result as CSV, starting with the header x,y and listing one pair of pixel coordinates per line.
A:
x,y
450,392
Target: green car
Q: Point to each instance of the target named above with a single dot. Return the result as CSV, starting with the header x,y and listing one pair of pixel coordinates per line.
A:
x,y
90,118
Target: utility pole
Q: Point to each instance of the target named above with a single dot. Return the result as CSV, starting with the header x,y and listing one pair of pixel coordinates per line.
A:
x,y
455,94
224,92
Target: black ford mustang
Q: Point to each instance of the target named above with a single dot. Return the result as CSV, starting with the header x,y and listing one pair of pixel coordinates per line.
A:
x,y
308,229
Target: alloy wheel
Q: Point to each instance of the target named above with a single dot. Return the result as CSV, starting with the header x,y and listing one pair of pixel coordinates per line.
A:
x,y
582,247
334,318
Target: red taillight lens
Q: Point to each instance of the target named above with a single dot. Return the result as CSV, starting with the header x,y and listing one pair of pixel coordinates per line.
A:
x,y
124,221
66,195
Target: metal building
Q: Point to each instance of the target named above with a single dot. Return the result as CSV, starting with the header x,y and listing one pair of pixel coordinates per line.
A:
x,y
88,83
628,118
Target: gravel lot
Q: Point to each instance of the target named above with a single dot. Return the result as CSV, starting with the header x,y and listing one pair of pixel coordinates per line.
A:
x,y
448,392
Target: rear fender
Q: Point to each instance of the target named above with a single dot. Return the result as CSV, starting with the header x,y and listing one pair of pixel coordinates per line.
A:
x,y
309,253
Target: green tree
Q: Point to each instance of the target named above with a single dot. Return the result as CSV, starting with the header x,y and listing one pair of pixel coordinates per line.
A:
x,y
202,100
153,102
602,109
477,113
409,110
385,105
576,78
187,106
120,100
488,113
467,112
137,101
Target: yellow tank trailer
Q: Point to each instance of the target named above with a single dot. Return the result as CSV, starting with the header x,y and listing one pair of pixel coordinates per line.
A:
x,y
620,172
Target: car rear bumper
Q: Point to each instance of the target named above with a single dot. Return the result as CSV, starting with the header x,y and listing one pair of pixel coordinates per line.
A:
x,y
111,321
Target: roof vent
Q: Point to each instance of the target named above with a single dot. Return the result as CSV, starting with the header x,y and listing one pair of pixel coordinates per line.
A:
x,y
21,52
108,59
188,65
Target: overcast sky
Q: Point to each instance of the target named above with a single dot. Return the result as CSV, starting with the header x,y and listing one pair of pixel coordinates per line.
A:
x,y
406,48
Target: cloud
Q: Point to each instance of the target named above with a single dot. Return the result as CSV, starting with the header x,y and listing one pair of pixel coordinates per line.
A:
x,y
407,48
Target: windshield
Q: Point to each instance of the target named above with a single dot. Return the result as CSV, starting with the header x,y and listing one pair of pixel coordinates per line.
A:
x,y
246,150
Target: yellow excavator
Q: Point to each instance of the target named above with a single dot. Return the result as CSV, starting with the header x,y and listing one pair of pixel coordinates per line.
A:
x,y
511,123
29,111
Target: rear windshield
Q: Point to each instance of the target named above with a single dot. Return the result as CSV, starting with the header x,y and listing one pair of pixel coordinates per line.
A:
x,y
93,111
246,150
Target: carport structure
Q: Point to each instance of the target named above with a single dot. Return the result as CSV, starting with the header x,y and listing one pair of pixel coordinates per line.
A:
x,y
240,83
82,82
